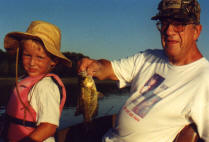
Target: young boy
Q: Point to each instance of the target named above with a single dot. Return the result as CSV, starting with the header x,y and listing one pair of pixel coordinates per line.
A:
x,y
37,101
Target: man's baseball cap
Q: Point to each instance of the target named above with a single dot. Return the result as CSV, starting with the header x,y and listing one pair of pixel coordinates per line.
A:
x,y
185,11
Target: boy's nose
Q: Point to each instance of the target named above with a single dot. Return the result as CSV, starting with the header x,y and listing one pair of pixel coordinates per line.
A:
x,y
32,61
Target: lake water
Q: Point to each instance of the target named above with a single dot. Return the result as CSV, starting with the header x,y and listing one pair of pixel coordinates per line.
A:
x,y
108,105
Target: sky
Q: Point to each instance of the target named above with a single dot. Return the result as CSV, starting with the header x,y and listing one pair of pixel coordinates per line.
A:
x,y
109,29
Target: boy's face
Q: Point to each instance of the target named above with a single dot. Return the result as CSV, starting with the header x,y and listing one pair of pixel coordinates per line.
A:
x,y
35,59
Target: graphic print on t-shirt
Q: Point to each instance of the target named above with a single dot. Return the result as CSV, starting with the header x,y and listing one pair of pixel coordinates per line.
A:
x,y
148,98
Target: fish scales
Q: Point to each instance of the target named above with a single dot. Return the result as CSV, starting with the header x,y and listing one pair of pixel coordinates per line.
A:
x,y
88,99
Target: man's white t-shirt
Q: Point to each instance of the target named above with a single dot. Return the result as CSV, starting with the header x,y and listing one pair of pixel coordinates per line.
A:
x,y
44,97
163,98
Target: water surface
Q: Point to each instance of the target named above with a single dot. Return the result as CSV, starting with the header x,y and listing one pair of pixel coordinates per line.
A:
x,y
108,105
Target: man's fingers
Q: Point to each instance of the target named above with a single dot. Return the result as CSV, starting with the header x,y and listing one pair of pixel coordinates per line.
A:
x,y
83,64
88,65
93,68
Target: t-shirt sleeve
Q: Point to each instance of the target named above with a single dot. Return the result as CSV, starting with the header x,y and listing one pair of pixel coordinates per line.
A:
x,y
125,69
200,110
47,101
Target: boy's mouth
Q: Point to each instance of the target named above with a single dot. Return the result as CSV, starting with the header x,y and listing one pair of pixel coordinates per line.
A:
x,y
32,70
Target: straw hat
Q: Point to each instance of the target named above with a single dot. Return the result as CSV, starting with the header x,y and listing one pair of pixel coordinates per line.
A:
x,y
48,33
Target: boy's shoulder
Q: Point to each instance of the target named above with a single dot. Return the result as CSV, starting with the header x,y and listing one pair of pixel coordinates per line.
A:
x,y
46,81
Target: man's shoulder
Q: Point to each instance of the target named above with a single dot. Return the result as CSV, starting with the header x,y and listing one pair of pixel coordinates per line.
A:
x,y
154,54
203,70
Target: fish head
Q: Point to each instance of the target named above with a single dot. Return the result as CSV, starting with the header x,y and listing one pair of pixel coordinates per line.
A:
x,y
88,82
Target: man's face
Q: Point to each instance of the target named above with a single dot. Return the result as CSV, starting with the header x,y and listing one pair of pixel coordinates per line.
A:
x,y
178,40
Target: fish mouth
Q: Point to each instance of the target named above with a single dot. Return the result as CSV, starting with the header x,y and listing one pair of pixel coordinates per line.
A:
x,y
83,73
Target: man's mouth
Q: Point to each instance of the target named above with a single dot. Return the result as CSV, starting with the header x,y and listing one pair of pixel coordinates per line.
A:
x,y
171,41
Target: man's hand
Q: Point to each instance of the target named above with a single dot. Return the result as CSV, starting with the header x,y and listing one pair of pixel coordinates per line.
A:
x,y
102,69
89,65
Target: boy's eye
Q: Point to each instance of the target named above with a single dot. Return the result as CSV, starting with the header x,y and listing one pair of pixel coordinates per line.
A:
x,y
40,57
26,55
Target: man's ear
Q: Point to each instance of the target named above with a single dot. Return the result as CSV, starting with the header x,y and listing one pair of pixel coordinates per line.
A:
x,y
198,29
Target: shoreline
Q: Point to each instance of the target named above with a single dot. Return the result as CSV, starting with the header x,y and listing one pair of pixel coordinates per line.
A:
x,y
72,88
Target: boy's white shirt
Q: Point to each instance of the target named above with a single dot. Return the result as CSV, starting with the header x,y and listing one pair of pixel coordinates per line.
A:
x,y
45,99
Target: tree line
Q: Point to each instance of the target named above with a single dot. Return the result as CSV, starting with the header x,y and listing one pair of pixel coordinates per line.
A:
x,y
8,65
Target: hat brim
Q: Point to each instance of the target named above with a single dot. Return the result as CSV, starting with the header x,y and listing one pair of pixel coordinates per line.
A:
x,y
177,15
12,42
179,18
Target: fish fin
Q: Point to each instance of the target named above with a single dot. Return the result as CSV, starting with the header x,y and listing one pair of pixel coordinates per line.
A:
x,y
100,95
78,107
78,112
96,112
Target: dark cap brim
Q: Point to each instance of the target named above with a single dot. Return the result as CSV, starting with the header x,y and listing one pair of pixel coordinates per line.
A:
x,y
176,15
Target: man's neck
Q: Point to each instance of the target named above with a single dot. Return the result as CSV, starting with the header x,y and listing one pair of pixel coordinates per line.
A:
x,y
192,57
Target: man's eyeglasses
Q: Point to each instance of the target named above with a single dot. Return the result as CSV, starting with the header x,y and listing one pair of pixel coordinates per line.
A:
x,y
177,27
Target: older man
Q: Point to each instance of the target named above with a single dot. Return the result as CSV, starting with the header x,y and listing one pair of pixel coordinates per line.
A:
x,y
181,92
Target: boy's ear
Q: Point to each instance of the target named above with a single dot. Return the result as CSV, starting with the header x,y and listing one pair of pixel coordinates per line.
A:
x,y
53,63
198,29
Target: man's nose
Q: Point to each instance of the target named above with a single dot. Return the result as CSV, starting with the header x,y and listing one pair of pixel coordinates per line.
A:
x,y
170,29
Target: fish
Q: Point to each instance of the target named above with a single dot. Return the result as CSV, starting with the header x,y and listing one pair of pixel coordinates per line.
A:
x,y
87,104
